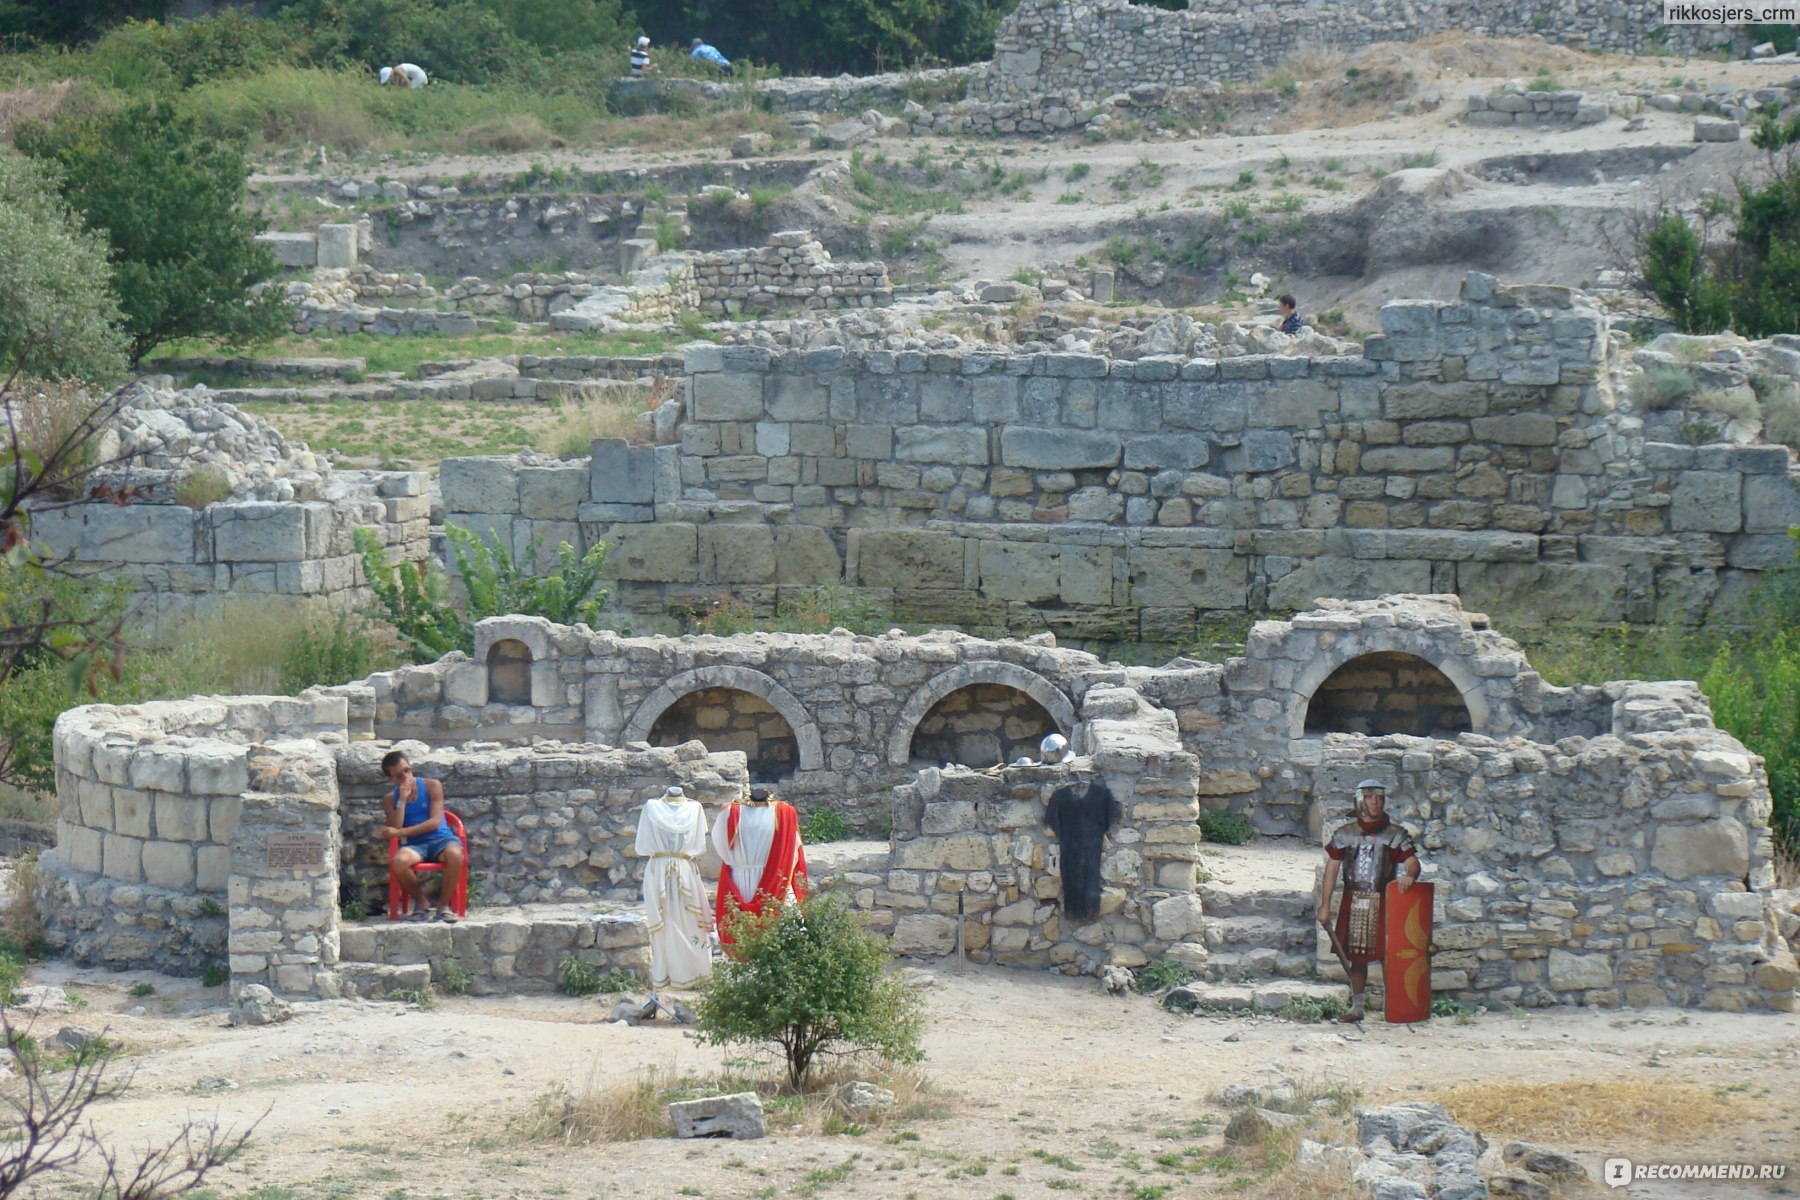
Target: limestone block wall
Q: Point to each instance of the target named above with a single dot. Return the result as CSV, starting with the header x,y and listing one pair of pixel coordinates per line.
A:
x,y
149,799
793,271
1095,49
183,560
1605,871
505,955
283,912
853,704
1473,447
982,836
547,824
1514,108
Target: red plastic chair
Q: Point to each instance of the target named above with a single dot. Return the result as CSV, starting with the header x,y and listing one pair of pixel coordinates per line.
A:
x,y
400,903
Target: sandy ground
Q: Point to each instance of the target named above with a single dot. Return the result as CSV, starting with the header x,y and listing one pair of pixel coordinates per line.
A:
x,y
1044,1085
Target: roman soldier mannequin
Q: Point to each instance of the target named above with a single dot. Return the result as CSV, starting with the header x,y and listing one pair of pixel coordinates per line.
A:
x,y
758,841
1369,852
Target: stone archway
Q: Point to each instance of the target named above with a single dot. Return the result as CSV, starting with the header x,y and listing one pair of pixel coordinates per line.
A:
x,y
1387,691
926,696
981,725
1453,670
808,746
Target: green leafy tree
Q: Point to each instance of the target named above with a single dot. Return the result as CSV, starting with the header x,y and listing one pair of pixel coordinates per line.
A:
x,y
806,980
827,36
456,41
1739,267
170,200
58,318
71,20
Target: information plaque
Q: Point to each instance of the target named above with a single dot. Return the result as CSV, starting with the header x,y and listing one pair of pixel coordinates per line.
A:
x,y
287,851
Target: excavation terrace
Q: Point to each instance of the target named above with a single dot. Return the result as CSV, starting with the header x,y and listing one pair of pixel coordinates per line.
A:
x,y
1591,845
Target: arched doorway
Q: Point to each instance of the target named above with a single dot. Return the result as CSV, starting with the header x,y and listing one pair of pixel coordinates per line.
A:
x,y
509,672
725,719
1388,692
981,725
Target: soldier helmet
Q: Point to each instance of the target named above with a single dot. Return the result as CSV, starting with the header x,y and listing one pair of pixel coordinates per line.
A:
x,y
1056,743
1372,785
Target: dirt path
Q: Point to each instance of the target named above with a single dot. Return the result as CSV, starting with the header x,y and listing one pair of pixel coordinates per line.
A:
x,y
1039,1075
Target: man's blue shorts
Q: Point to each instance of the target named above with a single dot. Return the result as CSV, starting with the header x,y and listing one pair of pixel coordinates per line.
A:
x,y
431,848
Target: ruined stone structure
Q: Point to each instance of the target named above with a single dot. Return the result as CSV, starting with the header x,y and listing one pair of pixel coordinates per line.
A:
x,y
182,560
1478,447
1093,49
1598,845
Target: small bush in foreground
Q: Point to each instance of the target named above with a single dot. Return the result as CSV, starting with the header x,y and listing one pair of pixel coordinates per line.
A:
x,y
576,978
1161,974
823,825
806,980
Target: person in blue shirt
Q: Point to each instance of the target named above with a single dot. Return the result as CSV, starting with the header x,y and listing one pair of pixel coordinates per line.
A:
x,y
414,813
705,53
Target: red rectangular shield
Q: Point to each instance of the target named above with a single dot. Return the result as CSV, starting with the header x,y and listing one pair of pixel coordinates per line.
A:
x,y
1406,964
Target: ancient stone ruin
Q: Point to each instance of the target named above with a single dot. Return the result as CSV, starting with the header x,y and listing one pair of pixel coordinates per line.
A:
x,y
1591,845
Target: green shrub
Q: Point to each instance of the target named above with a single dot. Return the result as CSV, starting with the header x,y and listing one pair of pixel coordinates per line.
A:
x,y
171,199
214,974
1161,974
1781,416
668,233
823,825
576,978
58,317
1302,1009
140,990
328,649
1660,388
415,600
1227,828
203,486
806,980
456,978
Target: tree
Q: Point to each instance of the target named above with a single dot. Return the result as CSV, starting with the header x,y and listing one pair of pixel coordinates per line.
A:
x,y
806,979
71,20
827,36
58,318
170,200
1747,279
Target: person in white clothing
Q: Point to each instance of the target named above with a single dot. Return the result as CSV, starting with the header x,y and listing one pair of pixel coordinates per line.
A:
x,y
403,75
671,834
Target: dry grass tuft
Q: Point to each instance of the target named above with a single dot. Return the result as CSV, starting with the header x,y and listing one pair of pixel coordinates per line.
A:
x,y
1642,1111
604,410
508,134
1309,1183
603,1112
30,105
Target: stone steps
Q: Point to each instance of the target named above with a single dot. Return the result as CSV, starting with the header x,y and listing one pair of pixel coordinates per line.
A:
x,y
502,950
1265,996
1273,932
1285,902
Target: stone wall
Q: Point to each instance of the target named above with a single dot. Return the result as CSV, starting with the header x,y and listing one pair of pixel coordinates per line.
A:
x,y
1515,106
183,560
980,838
546,824
1095,49
853,704
149,798
1477,447
792,271
1594,845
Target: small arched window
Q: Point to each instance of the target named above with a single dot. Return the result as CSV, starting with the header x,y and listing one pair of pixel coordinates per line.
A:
x,y
509,672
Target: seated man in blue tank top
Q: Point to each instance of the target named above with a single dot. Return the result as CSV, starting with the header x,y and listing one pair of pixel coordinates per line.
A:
x,y
414,812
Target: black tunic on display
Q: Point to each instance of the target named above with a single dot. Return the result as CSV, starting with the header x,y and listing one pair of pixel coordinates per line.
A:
x,y
1080,823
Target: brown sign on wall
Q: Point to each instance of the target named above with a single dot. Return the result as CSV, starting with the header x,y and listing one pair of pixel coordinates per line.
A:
x,y
290,850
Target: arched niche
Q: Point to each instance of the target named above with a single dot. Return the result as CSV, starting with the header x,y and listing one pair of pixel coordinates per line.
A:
x,y
929,693
725,719
808,748
981,725
509,672
1388,691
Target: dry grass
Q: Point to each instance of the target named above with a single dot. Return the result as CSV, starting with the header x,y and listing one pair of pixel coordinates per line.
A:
x,y
19,921
509,134
605,410
47,416
1644,1112
638,1107
1309,1183
30,105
